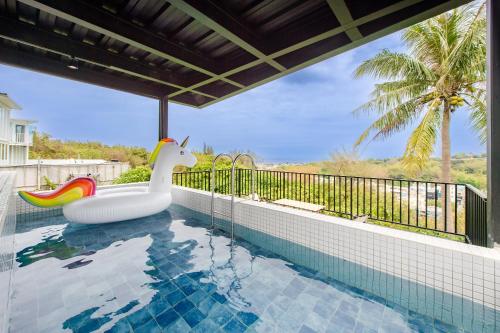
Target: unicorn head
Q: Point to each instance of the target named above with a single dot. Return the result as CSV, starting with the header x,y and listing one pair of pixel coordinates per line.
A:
x,y
167,154
179,153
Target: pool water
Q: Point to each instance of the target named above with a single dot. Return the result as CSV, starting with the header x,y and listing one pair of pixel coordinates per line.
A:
x,y
169,273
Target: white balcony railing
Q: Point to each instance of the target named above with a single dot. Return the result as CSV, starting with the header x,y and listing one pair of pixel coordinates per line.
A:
x,y
20,138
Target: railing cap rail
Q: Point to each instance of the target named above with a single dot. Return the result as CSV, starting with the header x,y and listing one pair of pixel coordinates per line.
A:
x,y
344,176
476,191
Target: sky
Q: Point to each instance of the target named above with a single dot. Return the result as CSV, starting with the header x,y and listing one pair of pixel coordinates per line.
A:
x,y
302,117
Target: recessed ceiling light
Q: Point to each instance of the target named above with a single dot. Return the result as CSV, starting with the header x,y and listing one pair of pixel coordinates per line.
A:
x,y
73,64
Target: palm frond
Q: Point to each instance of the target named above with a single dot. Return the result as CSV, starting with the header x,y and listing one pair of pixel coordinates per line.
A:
x,y
392,121
392,65
421,143
478,115
389,95
468,57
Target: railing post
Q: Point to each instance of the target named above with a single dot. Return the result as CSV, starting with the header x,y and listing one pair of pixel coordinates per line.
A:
x,y
493,105
350,190
163,118
238,173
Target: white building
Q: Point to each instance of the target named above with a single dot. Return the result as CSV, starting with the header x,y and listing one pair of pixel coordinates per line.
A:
x,y
16,135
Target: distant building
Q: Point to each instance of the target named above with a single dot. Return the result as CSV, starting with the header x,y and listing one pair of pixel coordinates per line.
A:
x,y
16,135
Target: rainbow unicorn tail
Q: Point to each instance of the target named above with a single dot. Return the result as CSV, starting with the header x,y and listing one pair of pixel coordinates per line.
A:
x,y
73,190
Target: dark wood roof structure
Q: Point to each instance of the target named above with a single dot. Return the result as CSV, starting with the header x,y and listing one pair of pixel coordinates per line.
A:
x,y
194,52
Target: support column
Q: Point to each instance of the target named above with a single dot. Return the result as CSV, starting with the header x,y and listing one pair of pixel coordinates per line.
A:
x,y
163,118
493,104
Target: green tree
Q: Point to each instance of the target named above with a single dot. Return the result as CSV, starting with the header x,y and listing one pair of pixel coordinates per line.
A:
x,y
444,72
138,174
207,150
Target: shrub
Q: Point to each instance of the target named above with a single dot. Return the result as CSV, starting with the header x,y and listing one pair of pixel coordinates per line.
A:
x,y
138,174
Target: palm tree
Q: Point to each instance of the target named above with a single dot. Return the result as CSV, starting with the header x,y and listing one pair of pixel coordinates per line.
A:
x,y
444,72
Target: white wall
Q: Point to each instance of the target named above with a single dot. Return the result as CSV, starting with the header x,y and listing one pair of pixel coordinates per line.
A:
x,y
7,255
28,176
4,124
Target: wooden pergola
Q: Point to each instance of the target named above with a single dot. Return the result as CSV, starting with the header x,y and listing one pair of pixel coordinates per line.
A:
x,y
193,52
199,52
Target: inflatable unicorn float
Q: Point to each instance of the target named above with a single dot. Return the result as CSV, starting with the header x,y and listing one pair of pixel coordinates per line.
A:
x,y
81,203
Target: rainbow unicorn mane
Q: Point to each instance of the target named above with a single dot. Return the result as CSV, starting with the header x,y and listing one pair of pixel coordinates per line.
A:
x,y
73,190
156,151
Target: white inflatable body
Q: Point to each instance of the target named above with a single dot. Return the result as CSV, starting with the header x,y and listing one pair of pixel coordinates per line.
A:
x,y
126,203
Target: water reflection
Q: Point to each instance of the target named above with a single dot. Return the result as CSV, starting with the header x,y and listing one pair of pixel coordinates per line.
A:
x,y
124,274
169,273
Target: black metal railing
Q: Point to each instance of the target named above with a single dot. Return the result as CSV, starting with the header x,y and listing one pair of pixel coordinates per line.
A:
x,y
445,208
476,218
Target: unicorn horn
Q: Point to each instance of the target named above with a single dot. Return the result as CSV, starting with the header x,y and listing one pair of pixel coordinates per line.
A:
x,y
185,142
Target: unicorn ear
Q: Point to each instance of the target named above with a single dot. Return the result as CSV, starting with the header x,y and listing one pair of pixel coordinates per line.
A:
x,y
185,142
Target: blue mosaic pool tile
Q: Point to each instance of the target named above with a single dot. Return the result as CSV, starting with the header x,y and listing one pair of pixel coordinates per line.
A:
x,y
349,308
235,326
90,325
158,305
206,305
342,321
206,326
294,289
306,329
183,306
196,276
167,318
183,280
209,288
139,318
198,296
364,328
121,326
175,297
443,327
193,317
149,327
189,289
391,328
220,315
219,298
179,326
165,287
247,318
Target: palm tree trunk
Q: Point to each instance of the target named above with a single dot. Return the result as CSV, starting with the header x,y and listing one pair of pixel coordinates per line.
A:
x,y
446,168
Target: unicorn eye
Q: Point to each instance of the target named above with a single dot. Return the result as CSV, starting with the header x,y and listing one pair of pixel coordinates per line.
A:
x,y
182,152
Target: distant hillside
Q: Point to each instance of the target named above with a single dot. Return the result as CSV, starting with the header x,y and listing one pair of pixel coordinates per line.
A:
x,y
45,147
466,168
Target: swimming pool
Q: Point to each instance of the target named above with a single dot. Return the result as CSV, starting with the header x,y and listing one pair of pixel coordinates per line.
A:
x,y
169,273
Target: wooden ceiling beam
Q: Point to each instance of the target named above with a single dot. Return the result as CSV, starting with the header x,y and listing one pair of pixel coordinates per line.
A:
x,y
43,64
225,24
366,39
101,21
327,34
343,15
31,35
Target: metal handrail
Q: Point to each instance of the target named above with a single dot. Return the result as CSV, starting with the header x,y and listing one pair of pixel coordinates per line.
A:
x,y
254,168
233,166
212,186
